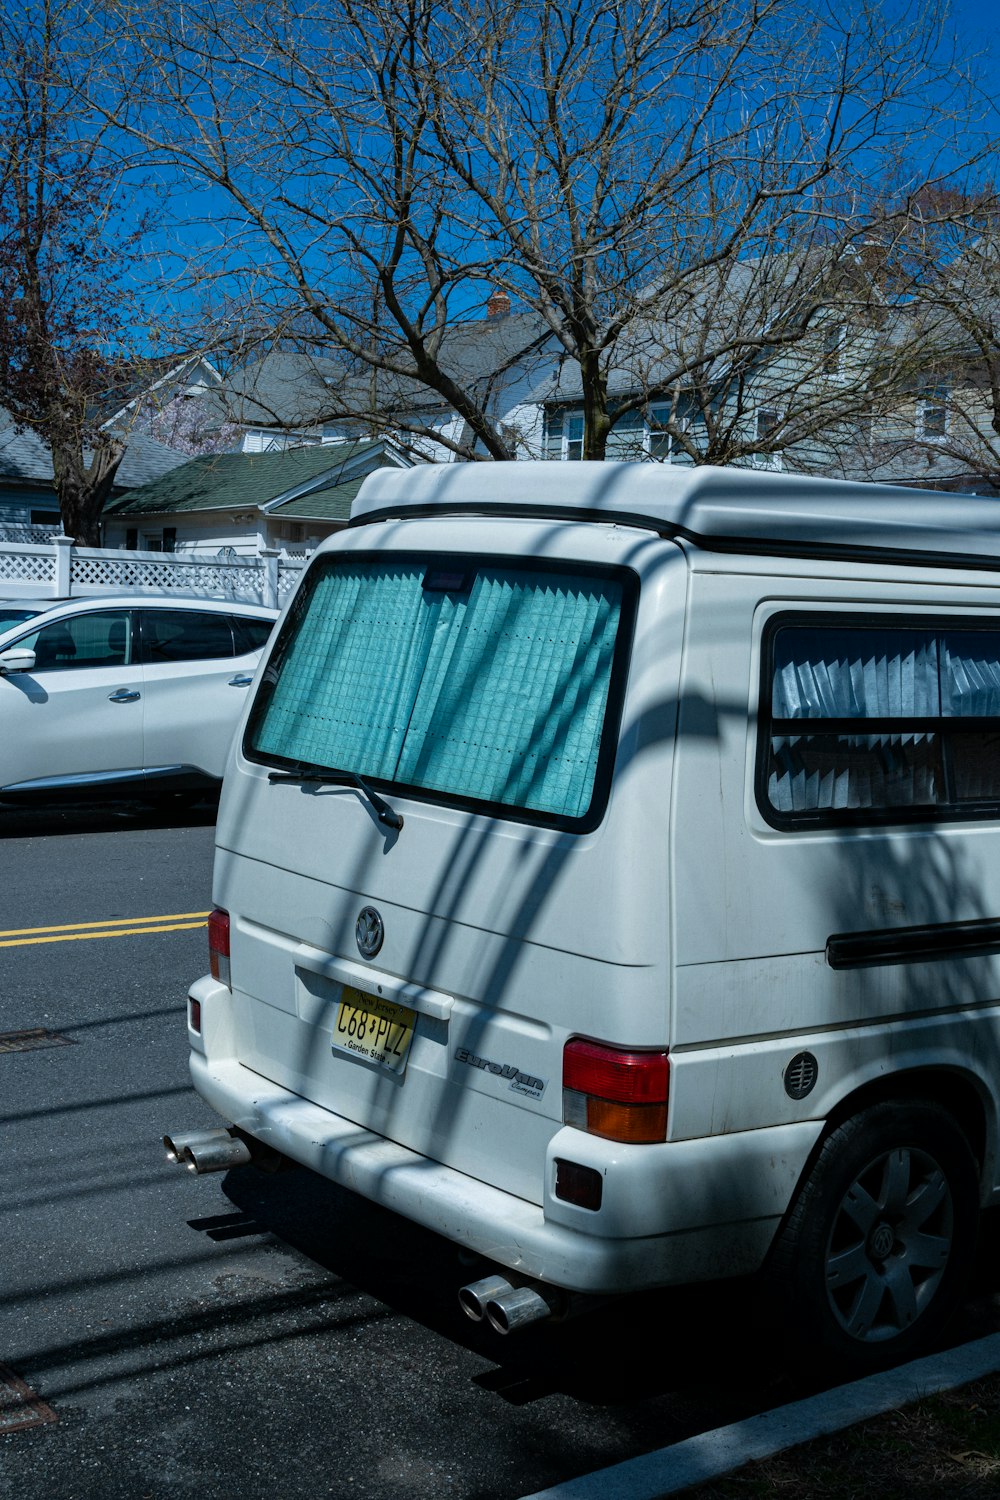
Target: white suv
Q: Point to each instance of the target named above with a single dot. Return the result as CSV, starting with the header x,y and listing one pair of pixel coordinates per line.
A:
x,y
130,695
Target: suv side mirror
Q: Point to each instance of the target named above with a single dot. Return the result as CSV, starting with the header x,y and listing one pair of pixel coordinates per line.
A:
x,y
17,660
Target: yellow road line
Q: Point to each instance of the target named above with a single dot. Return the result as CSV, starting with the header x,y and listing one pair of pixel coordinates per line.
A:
x,y
127,927
174,916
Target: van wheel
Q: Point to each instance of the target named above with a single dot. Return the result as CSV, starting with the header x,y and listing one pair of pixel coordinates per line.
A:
x,y
875,1251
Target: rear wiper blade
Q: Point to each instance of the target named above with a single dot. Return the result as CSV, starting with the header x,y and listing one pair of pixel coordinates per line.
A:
x,y
385,813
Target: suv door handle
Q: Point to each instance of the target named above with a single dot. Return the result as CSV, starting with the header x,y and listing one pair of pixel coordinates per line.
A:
x,y
123,695
240,681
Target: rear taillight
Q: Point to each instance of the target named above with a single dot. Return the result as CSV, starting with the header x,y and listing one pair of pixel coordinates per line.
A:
x,y
618,1094
218,946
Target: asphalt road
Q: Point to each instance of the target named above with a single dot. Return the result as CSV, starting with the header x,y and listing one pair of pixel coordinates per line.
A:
x,y
242,1336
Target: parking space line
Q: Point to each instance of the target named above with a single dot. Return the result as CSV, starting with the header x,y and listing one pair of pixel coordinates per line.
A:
x,y
75,932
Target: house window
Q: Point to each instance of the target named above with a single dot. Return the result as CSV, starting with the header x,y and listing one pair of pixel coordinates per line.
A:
x,y
636,435
767,422
932,413
834,340
661,444
563,434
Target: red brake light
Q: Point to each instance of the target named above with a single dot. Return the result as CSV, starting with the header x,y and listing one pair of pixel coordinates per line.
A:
x,y
218,945
614,1092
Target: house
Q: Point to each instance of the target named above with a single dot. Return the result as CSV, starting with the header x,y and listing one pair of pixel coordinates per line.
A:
x,y
239,503
290,397
27,493
805,362
740,363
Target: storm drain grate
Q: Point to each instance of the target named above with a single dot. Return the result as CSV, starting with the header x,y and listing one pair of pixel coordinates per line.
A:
x,y
30,1041
19,1406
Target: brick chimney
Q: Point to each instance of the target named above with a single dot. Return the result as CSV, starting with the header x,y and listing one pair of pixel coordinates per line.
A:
x,y
499,304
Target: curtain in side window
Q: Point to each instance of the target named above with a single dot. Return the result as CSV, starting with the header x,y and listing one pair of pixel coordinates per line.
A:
x,y
859,674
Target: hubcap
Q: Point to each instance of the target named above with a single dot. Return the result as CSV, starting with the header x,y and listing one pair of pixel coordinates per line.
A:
x,y
890,1244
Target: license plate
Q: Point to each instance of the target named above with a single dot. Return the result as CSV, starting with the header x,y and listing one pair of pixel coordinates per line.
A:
x,y
378,1030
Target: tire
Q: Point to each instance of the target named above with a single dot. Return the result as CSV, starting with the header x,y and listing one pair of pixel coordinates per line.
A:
x,y
875,1251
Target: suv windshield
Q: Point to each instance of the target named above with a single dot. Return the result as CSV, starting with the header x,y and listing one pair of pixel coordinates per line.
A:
x,y
480,683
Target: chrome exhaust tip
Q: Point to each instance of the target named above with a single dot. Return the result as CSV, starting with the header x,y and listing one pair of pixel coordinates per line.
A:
x,y
517,1307
473,1298
208,1150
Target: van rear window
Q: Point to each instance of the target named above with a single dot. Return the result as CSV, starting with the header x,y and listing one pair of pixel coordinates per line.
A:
x,y
478,683
871,723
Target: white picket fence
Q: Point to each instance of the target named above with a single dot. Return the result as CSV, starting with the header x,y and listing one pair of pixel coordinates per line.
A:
x,y
57,569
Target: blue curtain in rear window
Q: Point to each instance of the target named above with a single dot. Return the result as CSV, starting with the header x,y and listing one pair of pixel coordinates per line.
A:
x,y
497,694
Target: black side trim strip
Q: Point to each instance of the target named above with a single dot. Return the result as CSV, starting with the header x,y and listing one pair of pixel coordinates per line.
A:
x,y
754,546
913,945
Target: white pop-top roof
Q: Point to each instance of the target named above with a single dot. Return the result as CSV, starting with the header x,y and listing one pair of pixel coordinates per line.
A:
x,y
720,509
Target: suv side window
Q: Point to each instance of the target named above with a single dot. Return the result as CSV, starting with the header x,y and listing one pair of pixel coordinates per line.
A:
x,y
249,634
100,639
184,635
863,722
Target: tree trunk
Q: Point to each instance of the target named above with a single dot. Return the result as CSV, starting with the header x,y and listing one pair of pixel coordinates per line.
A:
x,y
83,490
596,422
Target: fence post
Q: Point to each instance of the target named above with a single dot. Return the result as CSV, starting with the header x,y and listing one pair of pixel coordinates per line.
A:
x,y
269,557
63,547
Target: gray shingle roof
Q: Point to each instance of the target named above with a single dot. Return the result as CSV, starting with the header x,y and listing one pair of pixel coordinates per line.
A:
x,y
24,457
287,389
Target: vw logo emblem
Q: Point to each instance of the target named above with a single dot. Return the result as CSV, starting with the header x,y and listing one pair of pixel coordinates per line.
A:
x,y
369,931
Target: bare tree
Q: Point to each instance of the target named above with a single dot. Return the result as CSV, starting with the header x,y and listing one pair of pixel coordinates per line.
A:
x,y
67,246
946,416
614,169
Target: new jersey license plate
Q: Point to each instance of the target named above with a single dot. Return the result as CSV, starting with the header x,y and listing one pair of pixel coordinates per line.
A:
x,y
380,1031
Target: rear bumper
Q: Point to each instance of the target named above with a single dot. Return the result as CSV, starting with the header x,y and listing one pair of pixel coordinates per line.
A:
x,y
681,1212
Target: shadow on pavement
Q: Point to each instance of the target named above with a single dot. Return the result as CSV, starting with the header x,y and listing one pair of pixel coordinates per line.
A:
x,y
178,811
625,1350
710,1348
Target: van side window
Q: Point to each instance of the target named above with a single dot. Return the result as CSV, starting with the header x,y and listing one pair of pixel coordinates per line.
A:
x,y
864,723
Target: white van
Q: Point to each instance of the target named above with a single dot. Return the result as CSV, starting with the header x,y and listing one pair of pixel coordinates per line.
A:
x,y
608,875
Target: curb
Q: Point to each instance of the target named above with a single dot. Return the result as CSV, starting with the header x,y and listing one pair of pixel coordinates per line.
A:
x,y
710,1455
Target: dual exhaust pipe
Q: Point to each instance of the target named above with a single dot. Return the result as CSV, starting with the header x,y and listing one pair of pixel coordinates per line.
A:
x,y
208,1150
508,1306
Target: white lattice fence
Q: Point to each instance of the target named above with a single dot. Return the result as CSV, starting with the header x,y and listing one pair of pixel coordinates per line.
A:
x,y
289,573
94,570
60,570
11,532
26,569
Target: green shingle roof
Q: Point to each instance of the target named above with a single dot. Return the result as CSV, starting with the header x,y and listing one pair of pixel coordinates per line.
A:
x,y
231,481
330,504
